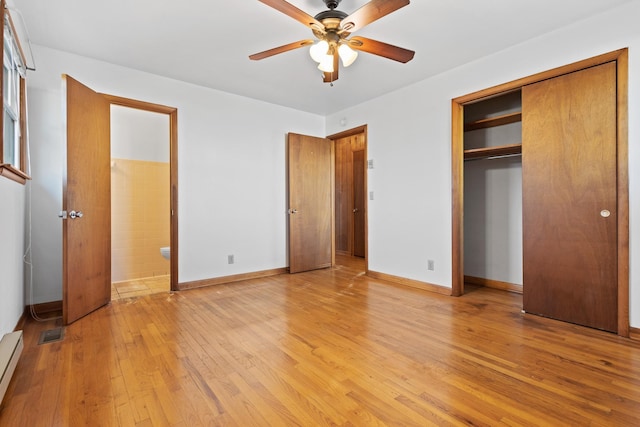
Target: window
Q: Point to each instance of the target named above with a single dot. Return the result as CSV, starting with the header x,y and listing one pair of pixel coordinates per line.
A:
x,y
13,147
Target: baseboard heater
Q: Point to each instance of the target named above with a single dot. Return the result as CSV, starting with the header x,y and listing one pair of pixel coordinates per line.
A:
x,y
11,347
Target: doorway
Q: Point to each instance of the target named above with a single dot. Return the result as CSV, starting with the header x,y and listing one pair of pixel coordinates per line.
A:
x,y
350,195
140,220
86,201
170,114
327,203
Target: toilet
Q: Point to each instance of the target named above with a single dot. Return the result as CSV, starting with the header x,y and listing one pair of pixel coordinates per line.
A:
x,y
166,252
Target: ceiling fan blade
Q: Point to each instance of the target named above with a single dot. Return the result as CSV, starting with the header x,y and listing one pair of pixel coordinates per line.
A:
x,y
294,12
280,49
332,77
370,12
381,49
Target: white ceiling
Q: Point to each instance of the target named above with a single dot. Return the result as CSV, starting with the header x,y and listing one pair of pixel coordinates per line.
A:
x,y
207,42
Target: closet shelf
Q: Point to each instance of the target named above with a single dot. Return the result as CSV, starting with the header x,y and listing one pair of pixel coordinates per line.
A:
x,y
494,121
498,151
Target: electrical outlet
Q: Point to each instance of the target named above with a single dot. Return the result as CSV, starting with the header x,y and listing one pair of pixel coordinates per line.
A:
x,y
230,259
370,163
431,265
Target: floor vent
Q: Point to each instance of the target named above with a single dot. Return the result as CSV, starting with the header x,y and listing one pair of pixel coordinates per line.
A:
x,y
11,347
51,335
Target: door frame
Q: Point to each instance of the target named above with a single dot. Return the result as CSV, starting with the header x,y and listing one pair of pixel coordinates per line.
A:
x,y
350,132
457,170
352,218
173,171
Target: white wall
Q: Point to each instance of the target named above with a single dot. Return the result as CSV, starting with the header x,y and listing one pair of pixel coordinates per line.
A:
x,y
139,134
493,219
231,161
410,140
12,248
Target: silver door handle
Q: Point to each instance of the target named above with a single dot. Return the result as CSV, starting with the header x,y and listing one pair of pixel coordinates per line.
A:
x,y
74,214
293,211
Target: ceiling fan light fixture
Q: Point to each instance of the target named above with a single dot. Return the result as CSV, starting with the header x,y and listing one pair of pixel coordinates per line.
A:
x,y
319,50
332,29
347,55
326,64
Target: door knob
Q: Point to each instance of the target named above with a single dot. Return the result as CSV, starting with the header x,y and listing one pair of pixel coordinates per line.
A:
x,y
293,211
605,213
72,214
355,210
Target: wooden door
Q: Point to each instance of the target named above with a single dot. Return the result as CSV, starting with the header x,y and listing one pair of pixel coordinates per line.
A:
x,y
86,239
310,168
358,203
569,197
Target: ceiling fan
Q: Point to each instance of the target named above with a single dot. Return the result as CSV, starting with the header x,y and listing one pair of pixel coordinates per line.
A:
x,y
332,28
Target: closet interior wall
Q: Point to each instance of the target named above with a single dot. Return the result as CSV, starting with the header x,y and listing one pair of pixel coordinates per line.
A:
x,y
493,192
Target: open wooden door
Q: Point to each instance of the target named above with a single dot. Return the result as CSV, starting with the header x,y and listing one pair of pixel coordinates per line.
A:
x,y
570,197
359,213
310,167
86,202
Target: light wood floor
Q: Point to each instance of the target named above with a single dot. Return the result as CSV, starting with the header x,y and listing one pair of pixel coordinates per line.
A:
x,y
329,347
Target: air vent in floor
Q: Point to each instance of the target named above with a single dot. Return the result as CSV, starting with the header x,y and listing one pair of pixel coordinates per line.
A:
x,y
51,335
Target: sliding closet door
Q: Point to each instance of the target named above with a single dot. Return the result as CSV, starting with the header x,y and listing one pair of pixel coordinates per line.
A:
x,y
569,197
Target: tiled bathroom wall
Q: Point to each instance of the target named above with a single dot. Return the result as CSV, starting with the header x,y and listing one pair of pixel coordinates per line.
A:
x,y
139,218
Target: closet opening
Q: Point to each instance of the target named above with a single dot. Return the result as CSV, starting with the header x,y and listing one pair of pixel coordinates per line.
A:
x,y
493,192
518,165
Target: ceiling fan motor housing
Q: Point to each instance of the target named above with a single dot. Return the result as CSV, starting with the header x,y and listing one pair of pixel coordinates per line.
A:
x,y
330,14
332,4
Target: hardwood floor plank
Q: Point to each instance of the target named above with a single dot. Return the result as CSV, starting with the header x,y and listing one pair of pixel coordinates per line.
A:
x,y
325,348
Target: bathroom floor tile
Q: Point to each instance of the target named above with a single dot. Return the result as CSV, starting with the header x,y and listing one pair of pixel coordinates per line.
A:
x,y
140,287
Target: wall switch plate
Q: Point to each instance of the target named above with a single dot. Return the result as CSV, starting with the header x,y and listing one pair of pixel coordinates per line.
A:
x,y
431,265
370,163
230,259
370,195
